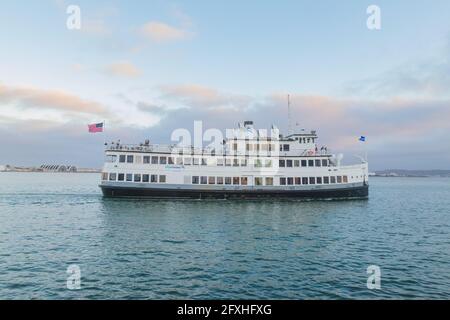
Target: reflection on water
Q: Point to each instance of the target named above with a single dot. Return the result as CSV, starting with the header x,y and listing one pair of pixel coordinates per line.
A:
x,y
221,249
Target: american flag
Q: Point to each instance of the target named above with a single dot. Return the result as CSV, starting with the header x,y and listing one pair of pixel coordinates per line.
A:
x,y
96,127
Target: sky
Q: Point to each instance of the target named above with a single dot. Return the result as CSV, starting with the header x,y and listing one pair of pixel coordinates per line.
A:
x,y
148,68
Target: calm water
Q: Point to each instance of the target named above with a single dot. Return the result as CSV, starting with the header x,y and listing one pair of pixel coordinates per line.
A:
x,y
221,249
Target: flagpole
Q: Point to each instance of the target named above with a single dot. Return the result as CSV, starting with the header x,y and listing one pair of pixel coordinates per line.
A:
x,y
104,131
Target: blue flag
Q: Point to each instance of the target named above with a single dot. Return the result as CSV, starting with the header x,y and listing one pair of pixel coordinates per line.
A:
x,y
362,138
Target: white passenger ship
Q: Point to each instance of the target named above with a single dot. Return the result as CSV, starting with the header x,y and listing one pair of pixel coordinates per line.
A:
x,y
248,165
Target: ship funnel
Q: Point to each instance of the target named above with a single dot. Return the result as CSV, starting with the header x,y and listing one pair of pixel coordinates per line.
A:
x,y
248,124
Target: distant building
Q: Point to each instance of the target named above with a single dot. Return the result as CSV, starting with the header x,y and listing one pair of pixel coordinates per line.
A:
x,y
2,168
57,168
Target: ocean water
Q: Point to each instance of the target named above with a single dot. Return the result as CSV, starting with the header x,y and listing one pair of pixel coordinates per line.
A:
x,y
141,249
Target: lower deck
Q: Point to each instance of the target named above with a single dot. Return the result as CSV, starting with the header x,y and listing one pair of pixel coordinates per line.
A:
x,y
345,191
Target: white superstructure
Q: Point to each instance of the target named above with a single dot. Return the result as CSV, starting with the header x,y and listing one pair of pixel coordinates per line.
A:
x,y
248,164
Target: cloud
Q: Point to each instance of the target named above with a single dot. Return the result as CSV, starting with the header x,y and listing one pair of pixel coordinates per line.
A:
x,y
123,69
161,32
198,96
396,128
35,98
153,108
426,78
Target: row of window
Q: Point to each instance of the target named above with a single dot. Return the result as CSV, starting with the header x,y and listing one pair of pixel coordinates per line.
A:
x,y
258,181
268,181
283,163
303,163
129,177
270,146
312,180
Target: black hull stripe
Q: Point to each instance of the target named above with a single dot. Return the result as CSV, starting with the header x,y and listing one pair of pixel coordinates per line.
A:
x,y
360,192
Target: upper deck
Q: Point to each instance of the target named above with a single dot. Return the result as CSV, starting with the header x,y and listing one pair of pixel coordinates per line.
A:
x,y
243,141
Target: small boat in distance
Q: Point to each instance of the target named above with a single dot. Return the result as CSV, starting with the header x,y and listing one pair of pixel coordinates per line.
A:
x,y
248,165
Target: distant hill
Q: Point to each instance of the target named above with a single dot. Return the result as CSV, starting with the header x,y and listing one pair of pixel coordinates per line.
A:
x,y
413,173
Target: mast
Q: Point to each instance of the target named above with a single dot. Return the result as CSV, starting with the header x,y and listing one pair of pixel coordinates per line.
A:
x,y
289,114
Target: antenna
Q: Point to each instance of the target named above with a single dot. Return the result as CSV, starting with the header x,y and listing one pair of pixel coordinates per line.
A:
x,y
289,114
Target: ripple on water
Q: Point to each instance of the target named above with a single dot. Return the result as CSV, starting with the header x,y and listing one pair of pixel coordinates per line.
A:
x,y
136,249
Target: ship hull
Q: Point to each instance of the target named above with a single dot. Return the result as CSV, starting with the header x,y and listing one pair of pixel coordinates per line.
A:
x,y
344,192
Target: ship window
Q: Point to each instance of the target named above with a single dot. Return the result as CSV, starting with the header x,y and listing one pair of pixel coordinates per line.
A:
x,y
121,177
112,177
244,181
187,161
235,180
196,161
171,161
146,159
220,162
235,162
286,147
258,163
204,162
318,163
345,179
263,147
130,159
269,181
104,176
179,161
298,180
282,163
296,163
219,180
228,162
258,181
324,163
162,178
304,163
289,163
138,159
137,178
312,180
129,177
304,180
326,180
227,180
243,162
290,181
154,160
282,181
310,163
212,180
195,180
249,147
319,180
309,140
154,178
268,163
145,178
111,158
162,160
203,180
339,179
333,179
122,158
